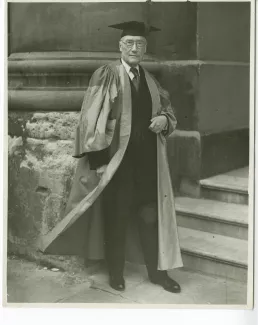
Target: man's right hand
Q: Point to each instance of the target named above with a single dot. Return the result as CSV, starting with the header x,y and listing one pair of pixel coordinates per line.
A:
x,y
101,170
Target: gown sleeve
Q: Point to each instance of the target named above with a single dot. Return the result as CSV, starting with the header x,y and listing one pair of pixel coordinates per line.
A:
x,y
166,110
95,129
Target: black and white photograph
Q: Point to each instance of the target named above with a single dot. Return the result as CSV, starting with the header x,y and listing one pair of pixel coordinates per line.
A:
x,y
130,154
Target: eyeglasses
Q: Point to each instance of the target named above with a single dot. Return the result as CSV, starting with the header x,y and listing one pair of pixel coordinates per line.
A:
x,y
139,44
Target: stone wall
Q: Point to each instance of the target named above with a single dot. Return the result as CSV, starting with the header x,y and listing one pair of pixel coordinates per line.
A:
x,y
223,30
84,27
41,170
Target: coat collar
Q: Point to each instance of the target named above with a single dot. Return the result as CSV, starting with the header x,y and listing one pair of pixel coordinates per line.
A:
x,y
128,69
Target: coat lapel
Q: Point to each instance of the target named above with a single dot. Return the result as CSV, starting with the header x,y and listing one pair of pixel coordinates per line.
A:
x,y
155,98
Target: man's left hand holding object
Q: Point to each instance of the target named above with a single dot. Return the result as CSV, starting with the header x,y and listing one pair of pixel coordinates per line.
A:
x,y
158,123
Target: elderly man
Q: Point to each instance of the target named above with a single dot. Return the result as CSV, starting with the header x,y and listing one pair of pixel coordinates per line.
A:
x,y
123,179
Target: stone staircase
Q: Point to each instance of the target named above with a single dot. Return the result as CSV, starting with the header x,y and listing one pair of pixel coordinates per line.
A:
x,y
213,229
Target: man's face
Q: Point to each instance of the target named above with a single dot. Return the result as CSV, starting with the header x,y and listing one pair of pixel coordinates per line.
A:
x,y
132,49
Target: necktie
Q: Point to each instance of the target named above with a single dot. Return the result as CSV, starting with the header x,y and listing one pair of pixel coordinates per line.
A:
x,y
136,79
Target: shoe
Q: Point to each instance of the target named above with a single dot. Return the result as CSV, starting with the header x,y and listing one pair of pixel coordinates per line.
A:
x,y
167,283
117,283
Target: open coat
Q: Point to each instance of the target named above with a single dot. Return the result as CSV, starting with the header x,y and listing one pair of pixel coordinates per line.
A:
x,y
105,122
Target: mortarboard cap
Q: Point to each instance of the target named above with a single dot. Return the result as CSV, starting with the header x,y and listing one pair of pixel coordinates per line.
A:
x,y
134,28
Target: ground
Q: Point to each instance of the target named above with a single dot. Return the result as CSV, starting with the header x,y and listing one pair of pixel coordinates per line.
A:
x,y
28,282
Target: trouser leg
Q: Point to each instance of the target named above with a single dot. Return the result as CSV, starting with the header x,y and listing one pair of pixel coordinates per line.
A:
x,y
117,209
148,230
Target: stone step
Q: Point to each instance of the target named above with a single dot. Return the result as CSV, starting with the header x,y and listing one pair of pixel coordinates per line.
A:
x,y
214,254
229,187
227,219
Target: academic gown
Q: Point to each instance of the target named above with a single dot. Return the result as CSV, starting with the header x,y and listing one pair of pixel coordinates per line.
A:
x,y
139,164
105,123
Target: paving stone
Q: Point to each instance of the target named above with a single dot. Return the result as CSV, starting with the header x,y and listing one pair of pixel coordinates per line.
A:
x,y
29,283
92,296
205,289
133,275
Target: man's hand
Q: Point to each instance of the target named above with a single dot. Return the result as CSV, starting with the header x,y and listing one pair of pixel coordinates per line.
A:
x,y
158,123
101,170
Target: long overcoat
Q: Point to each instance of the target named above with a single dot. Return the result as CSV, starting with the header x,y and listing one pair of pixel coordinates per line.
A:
x,y
105,122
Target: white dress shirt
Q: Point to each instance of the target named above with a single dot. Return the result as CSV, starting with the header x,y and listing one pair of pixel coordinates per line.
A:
x,y
128,68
